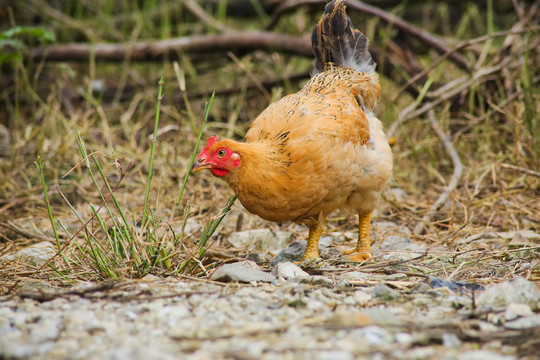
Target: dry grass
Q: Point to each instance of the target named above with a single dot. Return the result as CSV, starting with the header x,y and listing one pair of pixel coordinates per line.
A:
x,y
491,119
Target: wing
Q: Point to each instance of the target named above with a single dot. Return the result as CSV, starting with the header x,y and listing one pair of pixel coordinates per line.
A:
x,y
330,105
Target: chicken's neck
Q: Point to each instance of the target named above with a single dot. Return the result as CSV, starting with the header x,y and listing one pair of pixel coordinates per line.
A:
x,y
261,165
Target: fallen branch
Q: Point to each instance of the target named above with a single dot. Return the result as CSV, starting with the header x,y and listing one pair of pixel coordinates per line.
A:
x,y
287,7
27,234
520,169
199,12
460,46
157,49
428,39
452,185
449,91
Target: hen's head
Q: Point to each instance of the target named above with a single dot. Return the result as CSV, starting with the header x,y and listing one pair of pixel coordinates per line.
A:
x,y
216,156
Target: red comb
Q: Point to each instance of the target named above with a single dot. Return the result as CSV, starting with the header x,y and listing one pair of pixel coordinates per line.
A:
x,y
211,141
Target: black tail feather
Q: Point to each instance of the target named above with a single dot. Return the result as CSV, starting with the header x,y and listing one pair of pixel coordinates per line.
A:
x,y
335,40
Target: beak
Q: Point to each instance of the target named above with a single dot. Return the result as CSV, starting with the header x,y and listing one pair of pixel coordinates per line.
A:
x,y
201,165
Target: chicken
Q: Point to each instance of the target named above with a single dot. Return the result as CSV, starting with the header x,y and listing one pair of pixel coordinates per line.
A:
x,y
318,150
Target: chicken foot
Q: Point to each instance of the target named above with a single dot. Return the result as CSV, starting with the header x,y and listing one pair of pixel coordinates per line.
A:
x,y
362,251
312,247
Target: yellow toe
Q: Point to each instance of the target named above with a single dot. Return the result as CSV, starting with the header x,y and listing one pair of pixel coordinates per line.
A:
x,y
354,256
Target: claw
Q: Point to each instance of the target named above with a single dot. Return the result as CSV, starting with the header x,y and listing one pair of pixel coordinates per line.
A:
x,y
360,257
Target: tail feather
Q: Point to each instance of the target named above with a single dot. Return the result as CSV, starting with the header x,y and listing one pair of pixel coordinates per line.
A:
x,y
335,40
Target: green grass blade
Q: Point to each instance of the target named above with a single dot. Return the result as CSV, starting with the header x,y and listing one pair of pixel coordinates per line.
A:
x,y
39,164
193,156
212,226
152,152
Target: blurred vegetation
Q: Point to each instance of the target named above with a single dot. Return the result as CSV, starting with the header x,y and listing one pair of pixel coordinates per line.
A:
x,y
489,110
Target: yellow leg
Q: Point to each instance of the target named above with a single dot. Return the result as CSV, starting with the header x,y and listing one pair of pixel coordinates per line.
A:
x,y
312,248
362,251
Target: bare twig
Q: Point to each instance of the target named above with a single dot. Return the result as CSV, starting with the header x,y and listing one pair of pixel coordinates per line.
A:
x,y
250,74
452,185
520,169
287,7
460,46
267,84
50,11
156,49
27,234
199,12
449,91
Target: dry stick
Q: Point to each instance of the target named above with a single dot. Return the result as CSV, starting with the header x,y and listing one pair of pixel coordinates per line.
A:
x,y
422,35
250,74
27,234
458,171
427,38
447,92
46,9
456,48
267,84
287,7
523,170
156,49
199,12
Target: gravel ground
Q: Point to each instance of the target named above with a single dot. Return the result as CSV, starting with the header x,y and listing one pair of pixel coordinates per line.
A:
x,y
279,311
349,316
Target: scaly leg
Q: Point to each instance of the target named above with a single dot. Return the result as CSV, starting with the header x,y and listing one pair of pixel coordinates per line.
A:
x,y
362,251
312,248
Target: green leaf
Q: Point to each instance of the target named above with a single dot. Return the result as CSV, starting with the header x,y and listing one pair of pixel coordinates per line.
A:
x,y
44,35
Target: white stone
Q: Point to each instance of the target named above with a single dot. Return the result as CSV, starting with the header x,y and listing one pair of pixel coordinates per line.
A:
x,y
529,322
263,240
35,255
483,355
515,310
518,290
289,270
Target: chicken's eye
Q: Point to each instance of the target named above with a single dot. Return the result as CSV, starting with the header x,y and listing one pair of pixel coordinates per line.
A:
x,y
221,153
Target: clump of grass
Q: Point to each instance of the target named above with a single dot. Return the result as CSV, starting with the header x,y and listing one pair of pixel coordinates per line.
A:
x,y
115,244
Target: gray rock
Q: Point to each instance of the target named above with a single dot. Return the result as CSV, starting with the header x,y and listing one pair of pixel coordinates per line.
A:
x,y
296,249
258,258
401,247
245,271
192,227
47,328
288,270
518,291
450,340
361,297
398,195
35,255
376,335
384,292
263,240
333,355
318,280
436,282
529,322
404,338
381,316
331,253
357,275
391,227
515,310
483,355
